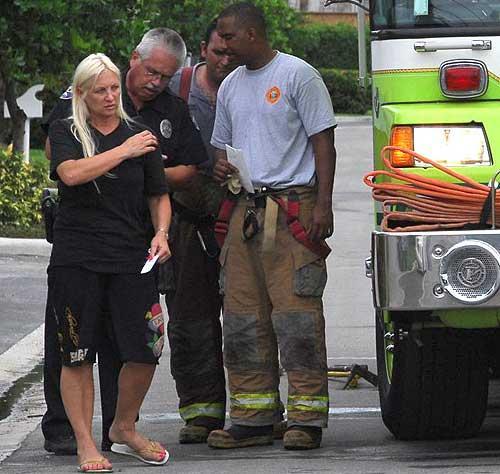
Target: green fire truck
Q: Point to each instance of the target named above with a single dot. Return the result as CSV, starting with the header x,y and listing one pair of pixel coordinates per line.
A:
x,y
435,81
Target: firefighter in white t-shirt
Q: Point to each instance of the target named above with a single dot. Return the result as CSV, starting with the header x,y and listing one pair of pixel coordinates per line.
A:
x,y
275,108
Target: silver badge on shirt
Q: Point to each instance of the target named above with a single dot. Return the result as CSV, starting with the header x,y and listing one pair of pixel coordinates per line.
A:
x,y
166,128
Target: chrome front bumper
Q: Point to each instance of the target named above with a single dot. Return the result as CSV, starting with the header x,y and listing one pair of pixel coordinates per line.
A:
x,y
435,270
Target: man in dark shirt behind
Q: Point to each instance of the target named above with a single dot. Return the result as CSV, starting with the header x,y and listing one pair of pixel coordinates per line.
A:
x,y
194,305
146,98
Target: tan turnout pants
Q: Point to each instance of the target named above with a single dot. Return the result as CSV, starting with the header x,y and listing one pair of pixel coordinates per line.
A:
x,y
273,300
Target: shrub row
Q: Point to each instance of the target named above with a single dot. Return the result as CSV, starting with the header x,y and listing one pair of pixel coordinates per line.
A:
x,y
326,46
21,191
347,96
321,45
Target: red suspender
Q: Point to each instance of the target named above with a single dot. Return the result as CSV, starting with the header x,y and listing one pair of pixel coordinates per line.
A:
x,y
222,222
297,229
185,83
291,208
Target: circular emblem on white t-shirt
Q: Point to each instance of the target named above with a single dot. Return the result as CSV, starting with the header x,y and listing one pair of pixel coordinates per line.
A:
x,y
273,95
166,128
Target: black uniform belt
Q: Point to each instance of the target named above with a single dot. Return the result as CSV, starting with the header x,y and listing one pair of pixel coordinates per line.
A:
x,y
185,214
260,194
204,227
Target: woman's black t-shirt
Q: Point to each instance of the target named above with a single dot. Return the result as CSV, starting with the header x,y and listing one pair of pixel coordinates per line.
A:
x,y
101,225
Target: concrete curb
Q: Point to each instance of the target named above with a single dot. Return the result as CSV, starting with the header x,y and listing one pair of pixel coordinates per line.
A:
x,y
9,246
346,119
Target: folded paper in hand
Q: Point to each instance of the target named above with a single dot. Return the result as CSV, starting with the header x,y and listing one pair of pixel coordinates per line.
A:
x,y
237,159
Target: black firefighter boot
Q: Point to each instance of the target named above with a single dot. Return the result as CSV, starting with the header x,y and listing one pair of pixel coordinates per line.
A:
x,y
238,436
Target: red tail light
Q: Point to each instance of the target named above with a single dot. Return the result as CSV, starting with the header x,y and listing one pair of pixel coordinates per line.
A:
x,y
463,78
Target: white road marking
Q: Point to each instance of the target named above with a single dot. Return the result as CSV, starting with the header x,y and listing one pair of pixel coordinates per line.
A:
x,y
20,359
352,358
24,418
353,410
156,418
15,363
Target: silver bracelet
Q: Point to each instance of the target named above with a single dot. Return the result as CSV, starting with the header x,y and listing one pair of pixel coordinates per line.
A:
x,y
164,230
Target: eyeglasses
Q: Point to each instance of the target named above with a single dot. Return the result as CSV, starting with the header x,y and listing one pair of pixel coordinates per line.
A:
x,y
153,74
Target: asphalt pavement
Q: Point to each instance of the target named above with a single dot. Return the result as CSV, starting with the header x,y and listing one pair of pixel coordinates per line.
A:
x,y
356,440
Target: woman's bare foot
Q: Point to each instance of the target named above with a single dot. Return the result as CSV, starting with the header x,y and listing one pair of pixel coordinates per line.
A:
x,y
149,450
94,465
89,458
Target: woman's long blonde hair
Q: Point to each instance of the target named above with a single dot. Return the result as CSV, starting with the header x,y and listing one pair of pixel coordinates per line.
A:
x,y
85,77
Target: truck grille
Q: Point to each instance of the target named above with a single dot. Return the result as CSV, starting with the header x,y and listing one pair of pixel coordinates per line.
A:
x,y
470,271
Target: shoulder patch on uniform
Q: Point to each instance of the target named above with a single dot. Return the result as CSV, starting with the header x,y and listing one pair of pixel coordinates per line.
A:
x,y
68,94
166,128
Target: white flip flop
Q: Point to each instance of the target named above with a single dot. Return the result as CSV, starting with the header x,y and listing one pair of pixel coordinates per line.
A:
x,y
128,451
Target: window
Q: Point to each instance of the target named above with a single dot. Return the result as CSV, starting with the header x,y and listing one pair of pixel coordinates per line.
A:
x,y
404,14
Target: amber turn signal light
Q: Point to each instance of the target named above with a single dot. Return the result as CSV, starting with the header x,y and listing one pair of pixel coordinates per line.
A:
x,y
402,137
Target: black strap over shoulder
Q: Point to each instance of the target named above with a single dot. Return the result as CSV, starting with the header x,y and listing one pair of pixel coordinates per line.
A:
x,y
486,210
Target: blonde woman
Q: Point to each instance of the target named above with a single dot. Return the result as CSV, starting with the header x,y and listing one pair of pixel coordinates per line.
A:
x,y
107,167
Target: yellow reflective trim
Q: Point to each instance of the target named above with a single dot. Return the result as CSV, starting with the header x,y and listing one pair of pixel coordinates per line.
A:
x,y
255,401
307,408
308,403
254,406
307,397
214,410
273,395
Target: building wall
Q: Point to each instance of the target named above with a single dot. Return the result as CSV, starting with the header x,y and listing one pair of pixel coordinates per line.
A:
x,y
315,12
317,6
331,18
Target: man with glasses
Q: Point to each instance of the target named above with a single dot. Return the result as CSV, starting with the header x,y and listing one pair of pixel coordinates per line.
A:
x,y
147,99
154,61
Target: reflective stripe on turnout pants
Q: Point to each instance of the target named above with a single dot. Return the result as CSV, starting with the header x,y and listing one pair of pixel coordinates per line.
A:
x,y
273,300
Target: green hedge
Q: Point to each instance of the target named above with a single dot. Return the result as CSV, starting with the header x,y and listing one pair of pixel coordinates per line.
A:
x,y
326,46
21,191
347,96
333,50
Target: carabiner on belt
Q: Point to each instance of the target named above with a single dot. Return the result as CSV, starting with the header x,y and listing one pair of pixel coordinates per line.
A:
x,y
250,224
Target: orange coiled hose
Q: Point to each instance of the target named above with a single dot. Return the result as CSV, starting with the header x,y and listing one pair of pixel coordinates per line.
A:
x,y
427,203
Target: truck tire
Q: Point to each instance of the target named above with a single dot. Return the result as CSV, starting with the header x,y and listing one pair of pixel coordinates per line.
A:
x,y
433,383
